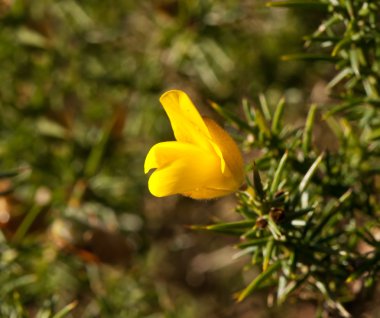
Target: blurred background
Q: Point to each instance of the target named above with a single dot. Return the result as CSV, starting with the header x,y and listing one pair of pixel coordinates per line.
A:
x,y
80,83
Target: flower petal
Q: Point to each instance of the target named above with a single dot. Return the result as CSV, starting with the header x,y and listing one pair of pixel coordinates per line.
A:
x,y
187,123
164,153
228,148
188,170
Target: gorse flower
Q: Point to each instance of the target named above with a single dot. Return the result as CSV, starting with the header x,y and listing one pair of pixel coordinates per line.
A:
x,y
203,163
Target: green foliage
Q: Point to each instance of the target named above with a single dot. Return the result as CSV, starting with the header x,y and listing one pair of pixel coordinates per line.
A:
x,y
310,213
79,101
79,109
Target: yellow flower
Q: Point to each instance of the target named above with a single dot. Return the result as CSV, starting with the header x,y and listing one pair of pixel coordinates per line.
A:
x,y
203,163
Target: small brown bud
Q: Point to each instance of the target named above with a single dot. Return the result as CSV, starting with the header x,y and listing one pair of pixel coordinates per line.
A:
x,y
277,214
243,187
261,223
279,194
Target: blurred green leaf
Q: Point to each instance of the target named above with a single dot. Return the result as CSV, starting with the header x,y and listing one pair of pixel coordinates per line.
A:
x,y
65,310
308,132
299,4
278,116
310,173
257,183
256,283
278,174
309,57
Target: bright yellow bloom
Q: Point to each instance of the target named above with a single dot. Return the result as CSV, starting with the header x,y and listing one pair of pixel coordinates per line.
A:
x,y
203,163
